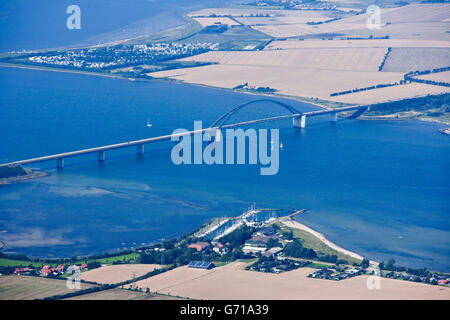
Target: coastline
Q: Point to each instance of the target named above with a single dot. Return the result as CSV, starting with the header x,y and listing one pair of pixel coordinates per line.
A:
x,y
297,225
323,106
33,175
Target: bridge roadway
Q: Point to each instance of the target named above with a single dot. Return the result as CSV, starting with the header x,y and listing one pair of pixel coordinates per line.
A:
x,y
298,121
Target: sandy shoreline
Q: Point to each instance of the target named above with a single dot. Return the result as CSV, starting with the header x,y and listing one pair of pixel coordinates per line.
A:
x,y
297,225
175,81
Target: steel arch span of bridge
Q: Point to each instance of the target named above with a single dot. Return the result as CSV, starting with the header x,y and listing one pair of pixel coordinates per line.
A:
x,y
298,120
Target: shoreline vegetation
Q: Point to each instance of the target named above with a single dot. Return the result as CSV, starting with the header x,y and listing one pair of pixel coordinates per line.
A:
x,y
304,250
297,225
17,173
312,240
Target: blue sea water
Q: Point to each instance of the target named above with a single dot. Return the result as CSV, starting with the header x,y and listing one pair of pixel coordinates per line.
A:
x,y
379,188
32,24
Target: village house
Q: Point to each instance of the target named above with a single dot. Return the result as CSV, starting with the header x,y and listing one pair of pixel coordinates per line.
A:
x,y
20,271
199,246
219,248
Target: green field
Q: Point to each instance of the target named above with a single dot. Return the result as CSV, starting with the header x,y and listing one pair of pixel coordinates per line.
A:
x,y
21,263
310,241
190,28
129,257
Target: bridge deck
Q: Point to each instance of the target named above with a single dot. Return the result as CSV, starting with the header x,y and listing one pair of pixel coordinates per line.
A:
x,y
170,136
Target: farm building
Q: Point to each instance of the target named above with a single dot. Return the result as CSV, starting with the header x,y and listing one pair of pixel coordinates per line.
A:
x,y
201,265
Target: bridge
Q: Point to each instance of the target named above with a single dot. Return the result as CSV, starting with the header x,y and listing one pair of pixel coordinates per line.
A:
x,y
298,121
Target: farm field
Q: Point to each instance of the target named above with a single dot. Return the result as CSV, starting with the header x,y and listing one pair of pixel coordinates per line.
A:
x,y
117,273
302,82
280,17
439,77
374,43
355,59
410,90
234,282
122,294
14,287
414,21
412,59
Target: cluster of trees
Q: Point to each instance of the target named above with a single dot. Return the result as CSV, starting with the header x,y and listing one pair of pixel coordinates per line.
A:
x,y
295,249
267,263
390,266
215,28
410,76
367,38
259,89
367,88
238,237
13,171
419,104
313,23
384,59
182,255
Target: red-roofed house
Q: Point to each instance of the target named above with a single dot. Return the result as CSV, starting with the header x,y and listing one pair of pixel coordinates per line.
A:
x,y
219,248
443,282
22,270
199,245
46,270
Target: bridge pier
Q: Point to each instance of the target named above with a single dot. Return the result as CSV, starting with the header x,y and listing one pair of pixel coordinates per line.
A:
x,y
299,122
140,149
333,117
60,163
101,156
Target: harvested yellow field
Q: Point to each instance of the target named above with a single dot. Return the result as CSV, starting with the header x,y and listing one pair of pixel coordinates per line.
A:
x,y
216,20
439,77
287,80
121,294
409,19
376,43
355,59
420,31
412,59
233,282
14,287
410,90
118,273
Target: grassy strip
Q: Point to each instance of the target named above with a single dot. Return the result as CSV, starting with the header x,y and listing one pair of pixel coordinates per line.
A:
x,y
7,262
311,242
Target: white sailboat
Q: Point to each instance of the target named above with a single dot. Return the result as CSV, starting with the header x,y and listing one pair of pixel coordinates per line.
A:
x,y
149,124
281,146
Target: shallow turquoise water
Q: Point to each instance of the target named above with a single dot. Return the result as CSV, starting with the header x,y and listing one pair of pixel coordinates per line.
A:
x,y
379,188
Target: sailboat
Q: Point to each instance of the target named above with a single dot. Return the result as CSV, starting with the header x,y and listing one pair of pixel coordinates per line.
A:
x,y
149,124
281,146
